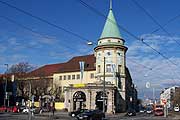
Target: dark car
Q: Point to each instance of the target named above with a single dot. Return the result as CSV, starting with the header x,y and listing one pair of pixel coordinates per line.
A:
x,y
21,108
131,112
91,115
149,110
75,113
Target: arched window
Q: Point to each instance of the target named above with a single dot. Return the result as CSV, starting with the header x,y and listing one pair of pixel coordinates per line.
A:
x,y
79,96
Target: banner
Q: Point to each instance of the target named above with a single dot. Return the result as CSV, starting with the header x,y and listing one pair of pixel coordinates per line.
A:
x,y
81,64
114,70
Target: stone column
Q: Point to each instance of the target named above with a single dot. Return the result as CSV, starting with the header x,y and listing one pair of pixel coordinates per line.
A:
x,y
110,108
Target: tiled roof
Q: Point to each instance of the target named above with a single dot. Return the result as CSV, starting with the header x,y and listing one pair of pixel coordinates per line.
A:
x,y
71,66
1,75
46,70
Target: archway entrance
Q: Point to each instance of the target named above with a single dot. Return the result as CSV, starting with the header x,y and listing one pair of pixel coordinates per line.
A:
x,y
79,99
46,101
99,100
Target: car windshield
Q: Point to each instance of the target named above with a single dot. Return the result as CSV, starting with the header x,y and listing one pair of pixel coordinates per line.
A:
x,y
159,110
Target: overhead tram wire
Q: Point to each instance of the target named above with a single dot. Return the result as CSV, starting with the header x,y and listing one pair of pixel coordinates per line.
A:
x,y
54,24
45,21
149,68
131,34
125,30
157,23
169,21
33,31
154,20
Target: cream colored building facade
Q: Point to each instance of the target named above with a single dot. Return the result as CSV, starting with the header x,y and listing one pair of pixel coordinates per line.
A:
x,y
65,79
109,63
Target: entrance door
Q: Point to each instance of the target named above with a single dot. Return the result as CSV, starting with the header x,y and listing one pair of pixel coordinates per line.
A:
x,y
79,99
99,100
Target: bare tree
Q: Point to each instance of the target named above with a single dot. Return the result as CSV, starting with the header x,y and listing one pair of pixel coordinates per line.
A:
x,y
20,71
22,67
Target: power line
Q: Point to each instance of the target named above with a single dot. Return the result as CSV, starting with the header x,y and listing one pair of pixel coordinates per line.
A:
x,y
29,14
125,30
149,68
35,33
153,19
169,21
131,34
31,30
45,21
61,28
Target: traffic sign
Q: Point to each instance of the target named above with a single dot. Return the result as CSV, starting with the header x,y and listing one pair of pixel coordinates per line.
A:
x,y
148,84
164,101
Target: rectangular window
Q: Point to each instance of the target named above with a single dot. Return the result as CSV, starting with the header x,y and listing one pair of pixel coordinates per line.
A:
x,y
73,77
69,77
108,68
119,68
99,69
60,77
64,77
78,76
92,75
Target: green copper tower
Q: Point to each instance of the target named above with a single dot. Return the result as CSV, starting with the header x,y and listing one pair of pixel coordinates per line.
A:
x,y
111,27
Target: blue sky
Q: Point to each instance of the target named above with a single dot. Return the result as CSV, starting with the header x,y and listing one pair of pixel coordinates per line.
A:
x,y
51,45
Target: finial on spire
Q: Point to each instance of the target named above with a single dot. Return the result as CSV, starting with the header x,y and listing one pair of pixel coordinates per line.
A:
x,y
110,4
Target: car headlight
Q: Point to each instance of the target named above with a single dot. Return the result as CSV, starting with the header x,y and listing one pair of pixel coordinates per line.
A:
x,y
85,116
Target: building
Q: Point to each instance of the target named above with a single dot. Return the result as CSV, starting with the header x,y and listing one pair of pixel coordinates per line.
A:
x,y
168,95
97,81
84,88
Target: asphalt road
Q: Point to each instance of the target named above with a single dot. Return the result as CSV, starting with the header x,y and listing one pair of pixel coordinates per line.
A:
x,y
64,116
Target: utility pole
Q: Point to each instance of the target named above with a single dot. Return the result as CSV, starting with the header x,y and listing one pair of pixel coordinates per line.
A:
x,y
29,112
104,86
5,89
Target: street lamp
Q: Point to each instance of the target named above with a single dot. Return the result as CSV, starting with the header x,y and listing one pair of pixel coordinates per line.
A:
x,y
5,89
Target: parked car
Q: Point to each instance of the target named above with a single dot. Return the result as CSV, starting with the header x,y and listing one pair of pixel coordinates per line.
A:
x,y
91,115
149,110
25,110
176,109
158,112
131,112
13,109
35,110
142,110
75,113
3,109
21,108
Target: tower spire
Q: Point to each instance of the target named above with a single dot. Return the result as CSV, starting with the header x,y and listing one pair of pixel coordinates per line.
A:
x,y
110,4
111,27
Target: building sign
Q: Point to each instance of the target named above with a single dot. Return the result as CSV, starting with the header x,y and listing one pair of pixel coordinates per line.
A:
x,y
78,85
78,100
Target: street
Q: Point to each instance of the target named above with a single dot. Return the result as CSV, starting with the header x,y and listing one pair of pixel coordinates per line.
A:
x,y
65,116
